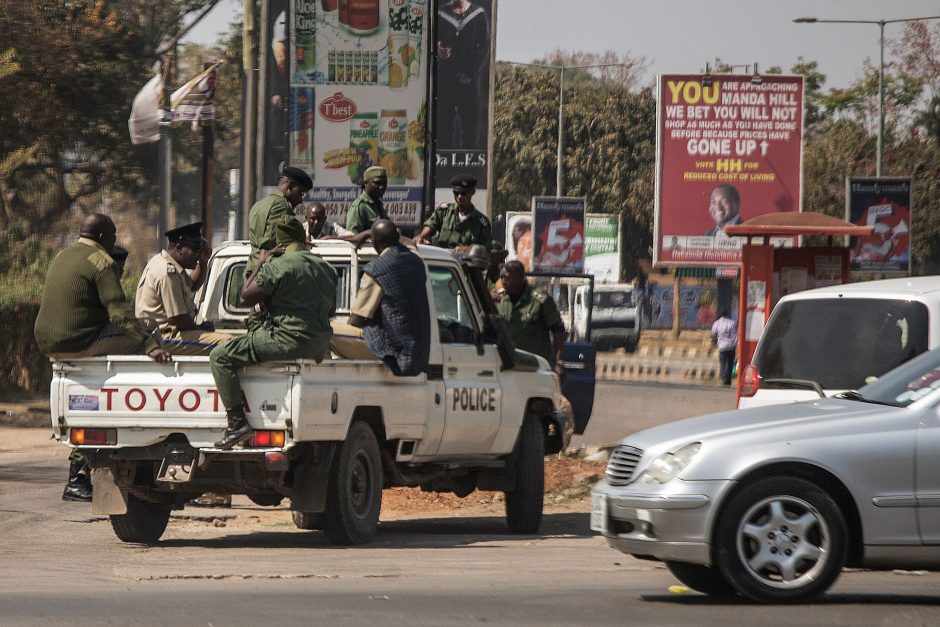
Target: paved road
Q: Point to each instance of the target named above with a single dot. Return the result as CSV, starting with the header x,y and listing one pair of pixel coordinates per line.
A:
x,y
61,565
624,408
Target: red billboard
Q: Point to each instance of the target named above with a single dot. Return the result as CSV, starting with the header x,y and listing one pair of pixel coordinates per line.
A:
x,y
729,148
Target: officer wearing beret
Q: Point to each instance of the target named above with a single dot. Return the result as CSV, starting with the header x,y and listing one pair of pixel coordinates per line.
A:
x,y
299,292
531,315
165,293
459,224
368,207
264,214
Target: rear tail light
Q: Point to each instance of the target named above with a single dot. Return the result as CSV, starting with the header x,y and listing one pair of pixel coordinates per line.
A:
x,y
750,381
93,437
266,438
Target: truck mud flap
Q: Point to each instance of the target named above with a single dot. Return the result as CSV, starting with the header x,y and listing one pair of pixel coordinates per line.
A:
x,y
310,479
106,498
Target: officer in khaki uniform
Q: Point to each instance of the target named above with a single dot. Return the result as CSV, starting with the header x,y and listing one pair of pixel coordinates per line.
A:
x,y
532,316
165,300
458,224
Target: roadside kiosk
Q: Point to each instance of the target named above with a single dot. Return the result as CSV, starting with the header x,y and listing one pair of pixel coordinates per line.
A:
x,y
769,272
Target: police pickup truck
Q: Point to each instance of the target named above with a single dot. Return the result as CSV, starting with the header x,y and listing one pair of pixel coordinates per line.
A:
x,y
329,436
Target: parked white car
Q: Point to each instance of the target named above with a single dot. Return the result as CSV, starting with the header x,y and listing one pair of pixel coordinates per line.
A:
x,y
772,502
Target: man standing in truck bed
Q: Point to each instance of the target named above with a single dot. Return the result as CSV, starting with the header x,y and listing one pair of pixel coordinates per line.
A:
x,y
299,289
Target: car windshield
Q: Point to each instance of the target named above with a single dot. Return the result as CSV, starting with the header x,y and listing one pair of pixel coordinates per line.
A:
x,y
840,343
906,383
613,299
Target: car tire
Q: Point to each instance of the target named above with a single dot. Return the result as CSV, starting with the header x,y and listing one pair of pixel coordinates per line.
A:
x,y
354,491
524,503
309,521
781,539
143,523
704,579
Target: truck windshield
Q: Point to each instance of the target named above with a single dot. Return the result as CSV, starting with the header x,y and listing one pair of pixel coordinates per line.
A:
x,y
613,299
839,343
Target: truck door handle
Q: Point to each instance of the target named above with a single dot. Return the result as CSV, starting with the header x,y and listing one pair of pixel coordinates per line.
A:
x,y
573,365
452,370
485,373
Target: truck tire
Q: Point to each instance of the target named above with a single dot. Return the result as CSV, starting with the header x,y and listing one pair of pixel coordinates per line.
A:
x,y
144,521
309,521
524,503
354,491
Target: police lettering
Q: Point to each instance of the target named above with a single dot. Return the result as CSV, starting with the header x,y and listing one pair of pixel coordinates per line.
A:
x,y
474,399
138,399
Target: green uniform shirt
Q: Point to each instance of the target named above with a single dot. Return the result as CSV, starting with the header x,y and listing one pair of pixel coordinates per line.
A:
x,y
262,217
531,320
81,296
363,212
301,296
450,231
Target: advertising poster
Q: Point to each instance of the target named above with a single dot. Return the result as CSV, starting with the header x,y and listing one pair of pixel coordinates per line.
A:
x,y
885,204
602,247
275,96
728,149
463,48
519,237
358,98
697,306
558,237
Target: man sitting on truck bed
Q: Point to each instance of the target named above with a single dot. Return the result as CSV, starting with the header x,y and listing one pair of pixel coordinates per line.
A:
x,y
165,300
392,304
299,290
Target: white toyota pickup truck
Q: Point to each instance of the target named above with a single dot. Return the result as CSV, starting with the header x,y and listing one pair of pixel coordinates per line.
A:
x,y
328,436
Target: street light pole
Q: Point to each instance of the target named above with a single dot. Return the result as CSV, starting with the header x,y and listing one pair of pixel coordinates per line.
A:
x,y
881,69
559,171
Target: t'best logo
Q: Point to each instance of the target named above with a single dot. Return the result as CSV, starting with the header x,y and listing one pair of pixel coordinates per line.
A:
x,y
337,108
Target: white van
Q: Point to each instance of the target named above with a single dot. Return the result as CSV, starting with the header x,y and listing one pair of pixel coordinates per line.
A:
x,y
831,339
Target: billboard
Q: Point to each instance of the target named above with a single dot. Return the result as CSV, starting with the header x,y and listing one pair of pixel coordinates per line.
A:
x,y
885,204
558,234
728,149
602,247
519,240
463,89
345,88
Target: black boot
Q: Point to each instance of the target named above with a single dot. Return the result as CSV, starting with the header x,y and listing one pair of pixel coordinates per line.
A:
x,y
237,431
78,487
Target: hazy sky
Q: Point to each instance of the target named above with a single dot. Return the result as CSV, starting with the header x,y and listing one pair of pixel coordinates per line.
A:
x,y
681,35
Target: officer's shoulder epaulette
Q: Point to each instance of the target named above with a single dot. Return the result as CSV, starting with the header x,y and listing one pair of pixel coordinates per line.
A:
x,y
170,268
539,295
443,205
100,260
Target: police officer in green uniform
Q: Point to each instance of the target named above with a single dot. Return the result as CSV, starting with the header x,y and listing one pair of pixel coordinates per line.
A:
x,y
367,208
164,299
459,224
532,316
264,214
299,289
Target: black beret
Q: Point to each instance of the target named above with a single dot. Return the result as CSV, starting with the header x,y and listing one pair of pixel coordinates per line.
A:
x,y
119,254
188,232
467,181
298,176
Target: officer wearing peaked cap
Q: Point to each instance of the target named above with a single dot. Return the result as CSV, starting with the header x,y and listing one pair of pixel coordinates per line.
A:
x,y
459,224
264,214
165,302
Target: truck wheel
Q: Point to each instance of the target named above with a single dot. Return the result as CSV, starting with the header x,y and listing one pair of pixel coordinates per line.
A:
x,y
144,521
701,578
306,520
524,503
354,492
781,539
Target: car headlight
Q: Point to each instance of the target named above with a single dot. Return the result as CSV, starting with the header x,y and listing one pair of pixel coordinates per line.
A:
x,y
668,465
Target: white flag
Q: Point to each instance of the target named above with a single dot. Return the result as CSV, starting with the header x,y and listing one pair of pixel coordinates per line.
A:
x,y
144,123
193,102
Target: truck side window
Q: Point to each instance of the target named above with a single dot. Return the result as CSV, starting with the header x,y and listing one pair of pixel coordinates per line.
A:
x,y
454,314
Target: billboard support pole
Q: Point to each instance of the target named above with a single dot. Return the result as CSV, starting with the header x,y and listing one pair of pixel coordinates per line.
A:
x,y
561,122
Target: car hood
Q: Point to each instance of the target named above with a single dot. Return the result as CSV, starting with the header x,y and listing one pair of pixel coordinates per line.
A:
x,y
792,420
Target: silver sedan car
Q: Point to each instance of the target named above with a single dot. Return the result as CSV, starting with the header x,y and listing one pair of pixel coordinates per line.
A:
x,y
772,502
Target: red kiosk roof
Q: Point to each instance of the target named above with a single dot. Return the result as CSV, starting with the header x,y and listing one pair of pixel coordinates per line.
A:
x,y
796,223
